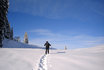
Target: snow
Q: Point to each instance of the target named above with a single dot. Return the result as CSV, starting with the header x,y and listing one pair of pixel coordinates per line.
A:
x,y
14,44
43,63
35,59
80,59
19,59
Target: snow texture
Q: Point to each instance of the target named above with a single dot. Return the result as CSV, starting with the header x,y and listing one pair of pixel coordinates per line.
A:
x,y
19,59
80,59
43,63
35,59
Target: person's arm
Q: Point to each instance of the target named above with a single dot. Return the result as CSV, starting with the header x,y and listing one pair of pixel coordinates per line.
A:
x,y
45,44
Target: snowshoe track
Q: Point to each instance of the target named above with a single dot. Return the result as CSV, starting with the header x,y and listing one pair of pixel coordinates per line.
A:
x,y
43,63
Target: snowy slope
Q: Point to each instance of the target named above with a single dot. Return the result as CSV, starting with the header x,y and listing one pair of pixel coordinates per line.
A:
x,y
35,59
80,59
19,59
14,44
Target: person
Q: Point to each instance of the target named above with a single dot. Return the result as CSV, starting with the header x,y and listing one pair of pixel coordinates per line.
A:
x,y
47,44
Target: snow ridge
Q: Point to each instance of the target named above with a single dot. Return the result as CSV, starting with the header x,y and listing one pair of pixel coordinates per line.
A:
x,y
43,63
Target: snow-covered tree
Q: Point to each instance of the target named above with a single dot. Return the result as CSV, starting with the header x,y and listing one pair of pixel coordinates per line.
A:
x,y
7,31
11,33
25,38
3,18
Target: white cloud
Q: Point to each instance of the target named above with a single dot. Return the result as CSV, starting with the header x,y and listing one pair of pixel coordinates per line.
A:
x,y
60,40
95,6
58,9
47,8
42,32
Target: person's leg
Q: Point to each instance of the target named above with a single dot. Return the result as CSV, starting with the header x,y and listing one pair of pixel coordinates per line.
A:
x,y
48,50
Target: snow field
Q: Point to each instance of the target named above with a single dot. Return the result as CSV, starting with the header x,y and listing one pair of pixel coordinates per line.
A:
x,y
20,59
79,59
35,59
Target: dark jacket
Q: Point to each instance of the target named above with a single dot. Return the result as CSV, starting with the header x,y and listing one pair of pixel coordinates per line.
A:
x,y
47,44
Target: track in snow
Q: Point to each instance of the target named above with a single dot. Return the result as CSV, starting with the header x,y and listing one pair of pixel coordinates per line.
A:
x,y
43,63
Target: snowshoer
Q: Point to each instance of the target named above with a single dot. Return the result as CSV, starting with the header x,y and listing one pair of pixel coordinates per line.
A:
x,y
47,47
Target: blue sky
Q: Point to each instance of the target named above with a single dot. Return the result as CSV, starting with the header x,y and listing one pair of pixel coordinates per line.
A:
x,y
71,23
